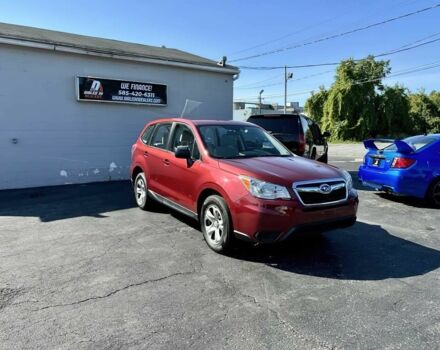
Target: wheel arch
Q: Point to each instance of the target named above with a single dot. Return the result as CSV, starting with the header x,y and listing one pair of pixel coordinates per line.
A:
x,y
435,178
208,190
202,197
136,170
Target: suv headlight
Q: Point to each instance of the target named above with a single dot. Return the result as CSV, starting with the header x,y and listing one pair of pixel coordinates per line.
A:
x,y
264,190
348,179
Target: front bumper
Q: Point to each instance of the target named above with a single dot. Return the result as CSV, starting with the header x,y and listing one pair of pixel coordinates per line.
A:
x,y
273,221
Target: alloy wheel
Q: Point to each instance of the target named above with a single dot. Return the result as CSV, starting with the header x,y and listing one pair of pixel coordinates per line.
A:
x,y
214,224
141,191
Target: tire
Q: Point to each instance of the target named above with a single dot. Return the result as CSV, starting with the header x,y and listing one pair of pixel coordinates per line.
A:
x,y
140,190
324,158
433,194
216,224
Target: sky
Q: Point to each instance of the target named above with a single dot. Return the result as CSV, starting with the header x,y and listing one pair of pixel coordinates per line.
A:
x,y
238,29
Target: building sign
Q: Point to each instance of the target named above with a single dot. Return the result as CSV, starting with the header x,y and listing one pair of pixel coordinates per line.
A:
x,y
120,91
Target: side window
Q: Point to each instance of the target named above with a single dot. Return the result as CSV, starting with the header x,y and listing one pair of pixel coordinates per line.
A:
x,y
307,132
160,136
147,134
316,132
195,154
183,136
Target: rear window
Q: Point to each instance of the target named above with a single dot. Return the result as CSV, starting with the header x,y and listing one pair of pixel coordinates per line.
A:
x,y
416,142
277,125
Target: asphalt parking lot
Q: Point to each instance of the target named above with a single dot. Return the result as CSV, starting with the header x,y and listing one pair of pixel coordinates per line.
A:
x,y
82,268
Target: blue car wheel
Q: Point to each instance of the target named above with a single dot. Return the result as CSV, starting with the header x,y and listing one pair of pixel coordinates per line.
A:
x,y
433,195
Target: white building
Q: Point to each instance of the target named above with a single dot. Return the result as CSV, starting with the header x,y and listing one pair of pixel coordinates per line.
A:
x,y
71,106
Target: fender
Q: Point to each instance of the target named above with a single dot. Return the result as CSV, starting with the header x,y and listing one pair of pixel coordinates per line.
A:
x,y
138,164
215,187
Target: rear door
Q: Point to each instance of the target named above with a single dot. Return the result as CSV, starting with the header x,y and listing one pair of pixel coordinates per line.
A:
x,y
158,159
318,139
308,138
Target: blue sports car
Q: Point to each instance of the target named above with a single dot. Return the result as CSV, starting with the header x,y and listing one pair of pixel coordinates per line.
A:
x,y
406,167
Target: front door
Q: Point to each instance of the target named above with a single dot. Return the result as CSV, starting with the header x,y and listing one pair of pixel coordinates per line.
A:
x,y
184,173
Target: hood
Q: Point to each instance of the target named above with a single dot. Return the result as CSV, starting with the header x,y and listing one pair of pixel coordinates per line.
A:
x,y
280,170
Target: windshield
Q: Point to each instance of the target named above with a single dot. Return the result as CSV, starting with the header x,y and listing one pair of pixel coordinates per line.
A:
x,y
416,142
240,141
277,125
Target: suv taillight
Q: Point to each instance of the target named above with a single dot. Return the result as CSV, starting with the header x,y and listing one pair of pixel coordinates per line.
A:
x,y
402,163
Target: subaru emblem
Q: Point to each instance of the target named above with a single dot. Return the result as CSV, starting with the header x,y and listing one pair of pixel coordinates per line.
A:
x,y
325,188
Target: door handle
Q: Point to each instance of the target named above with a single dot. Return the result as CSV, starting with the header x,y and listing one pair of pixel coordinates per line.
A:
x,y
146,154
166,162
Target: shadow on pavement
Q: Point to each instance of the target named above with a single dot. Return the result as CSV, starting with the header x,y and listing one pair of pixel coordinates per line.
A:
x,y
410,201
61,202
70,201
362,252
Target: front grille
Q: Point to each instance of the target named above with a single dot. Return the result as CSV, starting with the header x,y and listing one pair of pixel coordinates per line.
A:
x,y
321,192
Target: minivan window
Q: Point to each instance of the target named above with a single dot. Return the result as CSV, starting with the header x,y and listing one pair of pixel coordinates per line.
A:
x,y
240,141
278,125
160,137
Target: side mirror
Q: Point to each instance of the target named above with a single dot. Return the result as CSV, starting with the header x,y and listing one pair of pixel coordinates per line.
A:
x,y
182,152
326,134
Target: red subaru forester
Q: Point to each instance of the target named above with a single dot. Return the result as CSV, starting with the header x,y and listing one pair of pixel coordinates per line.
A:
x,y
238,181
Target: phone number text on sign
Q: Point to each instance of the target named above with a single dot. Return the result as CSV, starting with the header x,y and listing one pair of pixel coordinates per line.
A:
x,y
120,91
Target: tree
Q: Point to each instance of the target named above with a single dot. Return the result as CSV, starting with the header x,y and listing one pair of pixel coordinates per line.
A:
x,y
315,104
434,96
424,114
358,106
349,110
392,108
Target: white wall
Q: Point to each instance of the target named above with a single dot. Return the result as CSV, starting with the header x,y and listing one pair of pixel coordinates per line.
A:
x,y
61,140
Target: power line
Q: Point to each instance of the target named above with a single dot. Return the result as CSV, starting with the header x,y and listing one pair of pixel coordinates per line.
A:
x,y
410,70
311,27
337,35
392,52
278,76
294,80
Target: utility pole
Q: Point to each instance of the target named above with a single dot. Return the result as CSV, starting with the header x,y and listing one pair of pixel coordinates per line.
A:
x,y
259,104
287,76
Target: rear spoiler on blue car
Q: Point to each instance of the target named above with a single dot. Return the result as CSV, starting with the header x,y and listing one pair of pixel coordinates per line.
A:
x,y
402,146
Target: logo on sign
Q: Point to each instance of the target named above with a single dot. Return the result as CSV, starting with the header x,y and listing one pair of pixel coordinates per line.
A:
x,y
325,188
95,90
